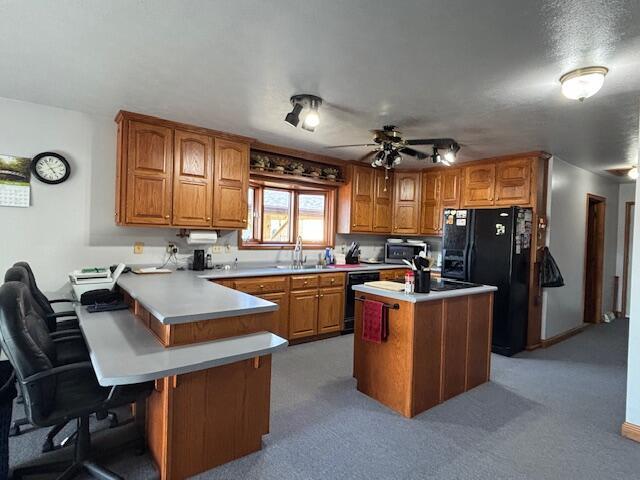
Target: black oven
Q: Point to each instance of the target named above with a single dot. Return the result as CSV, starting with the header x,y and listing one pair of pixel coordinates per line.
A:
x,y
355,278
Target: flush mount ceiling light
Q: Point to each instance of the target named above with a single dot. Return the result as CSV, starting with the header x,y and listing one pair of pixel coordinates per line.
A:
x,y
583,82
633,173
308,106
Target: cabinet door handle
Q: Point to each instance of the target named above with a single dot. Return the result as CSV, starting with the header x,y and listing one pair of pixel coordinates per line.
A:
x,y
244,221
333,280
208,218
261,286
166,216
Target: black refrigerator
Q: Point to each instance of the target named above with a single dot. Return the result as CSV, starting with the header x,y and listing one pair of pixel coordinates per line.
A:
x,y
492,247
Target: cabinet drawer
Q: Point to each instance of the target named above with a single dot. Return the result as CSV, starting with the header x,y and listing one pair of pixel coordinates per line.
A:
x,y
225,283
396,274
259,285
300,282
332,280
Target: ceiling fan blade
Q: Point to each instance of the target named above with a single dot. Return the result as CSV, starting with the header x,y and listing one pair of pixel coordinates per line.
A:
x,y
438,142
413,153
354,145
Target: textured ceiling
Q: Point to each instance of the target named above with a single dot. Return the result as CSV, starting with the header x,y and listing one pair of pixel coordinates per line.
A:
x,y
485,73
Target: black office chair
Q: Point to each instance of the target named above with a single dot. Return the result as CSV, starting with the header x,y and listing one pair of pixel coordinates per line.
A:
x,y
71,349
54,393
45,304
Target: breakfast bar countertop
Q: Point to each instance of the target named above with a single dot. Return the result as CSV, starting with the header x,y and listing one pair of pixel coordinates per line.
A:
x,y
183,297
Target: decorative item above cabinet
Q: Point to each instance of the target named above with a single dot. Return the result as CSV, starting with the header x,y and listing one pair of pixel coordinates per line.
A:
x,y
173,174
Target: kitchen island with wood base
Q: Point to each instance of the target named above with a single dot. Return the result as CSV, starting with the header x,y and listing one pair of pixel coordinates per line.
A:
x,y
438,346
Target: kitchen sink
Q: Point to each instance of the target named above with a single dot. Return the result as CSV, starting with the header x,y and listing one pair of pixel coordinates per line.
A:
x,y
304,267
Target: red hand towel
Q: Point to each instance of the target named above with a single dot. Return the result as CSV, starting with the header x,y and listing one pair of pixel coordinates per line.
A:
x,y
373,324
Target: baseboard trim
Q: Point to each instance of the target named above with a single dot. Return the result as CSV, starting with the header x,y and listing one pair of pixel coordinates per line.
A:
x,y
563,336
631,431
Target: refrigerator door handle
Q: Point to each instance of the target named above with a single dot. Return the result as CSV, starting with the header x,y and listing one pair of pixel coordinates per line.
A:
x,y
470,257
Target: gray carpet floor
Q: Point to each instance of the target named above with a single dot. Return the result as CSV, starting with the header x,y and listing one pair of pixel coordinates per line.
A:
x,y
548,414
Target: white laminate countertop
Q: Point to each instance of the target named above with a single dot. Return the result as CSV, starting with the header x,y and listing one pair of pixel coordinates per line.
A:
x,y
423,297
183,296
272,270
123,351
187,296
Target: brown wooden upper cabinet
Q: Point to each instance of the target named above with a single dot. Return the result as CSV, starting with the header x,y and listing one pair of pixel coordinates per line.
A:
x,y
365,201
406,205
231,183
382,201
147,174
479,185
171,174
362,207
430,223
513,182
192,179
450,187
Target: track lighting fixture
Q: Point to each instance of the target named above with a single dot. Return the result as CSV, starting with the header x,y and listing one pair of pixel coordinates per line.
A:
x,y
436,157
293,117
307,105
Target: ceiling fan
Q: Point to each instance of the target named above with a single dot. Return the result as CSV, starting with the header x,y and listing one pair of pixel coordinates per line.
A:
x,y
390,146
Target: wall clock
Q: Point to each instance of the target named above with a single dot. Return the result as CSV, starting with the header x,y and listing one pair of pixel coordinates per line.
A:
x,y
50,167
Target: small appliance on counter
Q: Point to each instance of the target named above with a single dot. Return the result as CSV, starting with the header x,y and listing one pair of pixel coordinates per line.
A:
x,y
94,278
397,252
353,254
198,260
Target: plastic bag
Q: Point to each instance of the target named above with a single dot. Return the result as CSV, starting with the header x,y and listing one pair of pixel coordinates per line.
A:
x,y
550,275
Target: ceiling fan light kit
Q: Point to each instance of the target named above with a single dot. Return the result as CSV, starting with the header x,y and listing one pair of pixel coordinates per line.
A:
x,y
304,104
583,82
390,148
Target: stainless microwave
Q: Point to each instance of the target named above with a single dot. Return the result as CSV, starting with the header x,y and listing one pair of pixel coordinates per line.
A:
x,y
397,252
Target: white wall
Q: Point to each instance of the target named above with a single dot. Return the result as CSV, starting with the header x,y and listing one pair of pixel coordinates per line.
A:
x,y
569,186
627,194
633,362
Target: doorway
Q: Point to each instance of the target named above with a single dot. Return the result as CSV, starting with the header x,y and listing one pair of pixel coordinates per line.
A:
x,y
629,213
594,258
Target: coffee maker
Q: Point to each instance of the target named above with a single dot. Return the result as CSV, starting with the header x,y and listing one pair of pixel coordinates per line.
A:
x,y
198,260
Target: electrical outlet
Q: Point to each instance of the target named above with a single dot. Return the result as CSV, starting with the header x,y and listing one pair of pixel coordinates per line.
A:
x,y
138,247
216,248
172,248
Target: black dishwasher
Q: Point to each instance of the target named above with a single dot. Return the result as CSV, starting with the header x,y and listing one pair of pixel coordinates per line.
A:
x,y
355,278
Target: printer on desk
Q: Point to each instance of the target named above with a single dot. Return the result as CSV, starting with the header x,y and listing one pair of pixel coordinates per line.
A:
x,y
94,278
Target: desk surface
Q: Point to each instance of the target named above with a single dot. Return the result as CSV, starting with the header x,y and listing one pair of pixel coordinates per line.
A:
x,y
182,297
123,351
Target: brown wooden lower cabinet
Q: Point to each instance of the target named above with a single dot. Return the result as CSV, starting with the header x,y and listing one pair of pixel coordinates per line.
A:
x,y
279,318
303,314
330,310
203,419
309,305
435,350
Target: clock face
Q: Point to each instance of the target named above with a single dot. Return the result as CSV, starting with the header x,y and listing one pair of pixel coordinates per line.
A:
x,y
50,168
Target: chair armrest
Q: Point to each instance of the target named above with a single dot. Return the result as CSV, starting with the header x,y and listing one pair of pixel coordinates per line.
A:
x,y
65,333
67,338
68,313
55,371
62,300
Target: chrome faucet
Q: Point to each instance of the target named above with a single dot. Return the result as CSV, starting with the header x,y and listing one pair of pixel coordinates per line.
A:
x,y
297,253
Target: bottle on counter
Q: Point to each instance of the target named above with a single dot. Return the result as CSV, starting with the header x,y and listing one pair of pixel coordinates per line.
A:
x,y
327,256
409,282
209,262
